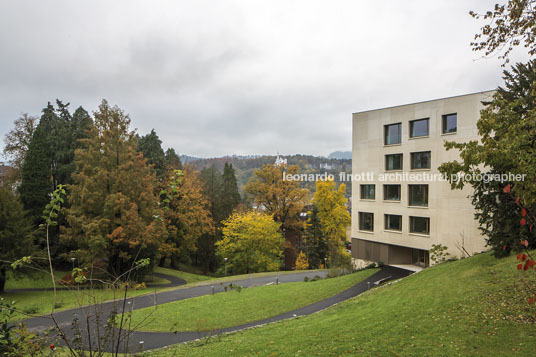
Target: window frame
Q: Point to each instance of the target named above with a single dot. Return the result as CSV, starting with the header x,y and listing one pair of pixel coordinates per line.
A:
x,y
361,191
412,122
399,192
411,159
411,225
386,215
361,214
385,131
427,195
401,162
444,121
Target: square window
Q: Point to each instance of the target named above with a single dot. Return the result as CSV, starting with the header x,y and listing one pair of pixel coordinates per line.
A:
x,y
450,123
419,225
420,160
368,192
418,195
393,162
391,192
418,128
393,134
366,221
393,222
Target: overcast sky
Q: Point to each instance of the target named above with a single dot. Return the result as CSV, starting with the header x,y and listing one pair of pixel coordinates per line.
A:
x,y
217,77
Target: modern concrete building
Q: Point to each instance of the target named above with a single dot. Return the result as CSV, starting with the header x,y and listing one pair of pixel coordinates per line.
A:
x,y
397,218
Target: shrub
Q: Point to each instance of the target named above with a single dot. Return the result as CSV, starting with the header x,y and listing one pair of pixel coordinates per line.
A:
x,y
301,261
31,309
438,253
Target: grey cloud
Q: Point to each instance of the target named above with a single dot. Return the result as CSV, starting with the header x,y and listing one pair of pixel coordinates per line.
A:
x,y
235,77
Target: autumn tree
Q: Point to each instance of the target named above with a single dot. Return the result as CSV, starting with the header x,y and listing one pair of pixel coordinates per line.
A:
x,y
114,215
15,232
252,242
301,261
187,216
17,140
283,199
334,218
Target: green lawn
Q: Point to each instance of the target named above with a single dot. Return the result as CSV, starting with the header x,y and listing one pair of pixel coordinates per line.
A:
x,y
40,302
234,308
31,279
475,306
188,277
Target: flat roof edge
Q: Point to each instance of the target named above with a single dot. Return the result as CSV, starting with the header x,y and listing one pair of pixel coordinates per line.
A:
x,y
425,101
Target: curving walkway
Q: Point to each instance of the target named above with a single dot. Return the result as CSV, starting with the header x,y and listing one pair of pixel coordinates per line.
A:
x,y
152,340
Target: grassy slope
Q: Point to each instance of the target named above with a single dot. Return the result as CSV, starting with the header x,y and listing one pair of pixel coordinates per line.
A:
x,y
476,306
234,308
188,277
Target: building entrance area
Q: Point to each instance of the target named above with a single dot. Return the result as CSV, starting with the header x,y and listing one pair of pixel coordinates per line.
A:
x,y
389,253
420,257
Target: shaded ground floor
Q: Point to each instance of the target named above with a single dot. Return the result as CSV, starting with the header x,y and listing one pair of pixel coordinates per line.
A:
x,y
390,254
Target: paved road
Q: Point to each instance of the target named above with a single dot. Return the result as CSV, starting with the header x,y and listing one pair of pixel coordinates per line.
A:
x,y
152,340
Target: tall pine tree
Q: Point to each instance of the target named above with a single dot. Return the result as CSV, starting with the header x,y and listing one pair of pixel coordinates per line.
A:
x,y
316,246
230,198
150,146
15,232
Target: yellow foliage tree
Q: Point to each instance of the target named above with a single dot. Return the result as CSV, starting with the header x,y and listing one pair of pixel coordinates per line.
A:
x,y
252,243
301,262
333,216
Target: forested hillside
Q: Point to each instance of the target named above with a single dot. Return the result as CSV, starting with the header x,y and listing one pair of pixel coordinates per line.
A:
x,y
246,165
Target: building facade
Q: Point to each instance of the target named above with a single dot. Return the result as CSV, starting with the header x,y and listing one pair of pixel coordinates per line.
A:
x,y
406,207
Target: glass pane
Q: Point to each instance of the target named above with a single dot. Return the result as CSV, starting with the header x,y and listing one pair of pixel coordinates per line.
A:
x,y
418,195
368,192
393,134
366,221
391,192
420,160
393,222
393,162
420,225
450,123
419,128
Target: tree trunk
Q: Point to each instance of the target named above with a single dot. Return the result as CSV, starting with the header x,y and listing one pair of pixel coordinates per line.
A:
x,y
2,278
162,261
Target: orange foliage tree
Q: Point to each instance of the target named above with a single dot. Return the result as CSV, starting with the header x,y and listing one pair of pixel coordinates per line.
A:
x,y
114,218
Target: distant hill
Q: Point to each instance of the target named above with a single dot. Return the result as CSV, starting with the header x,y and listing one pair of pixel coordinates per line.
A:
x,y
246,165
341,155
